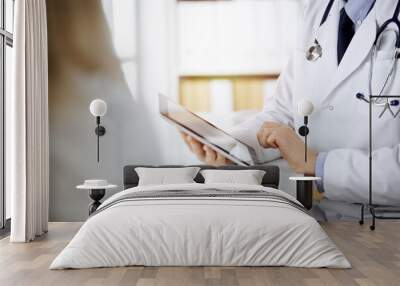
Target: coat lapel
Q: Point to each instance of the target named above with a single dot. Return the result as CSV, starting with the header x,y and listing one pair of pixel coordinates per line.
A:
x,y
358,50
326,67
327,36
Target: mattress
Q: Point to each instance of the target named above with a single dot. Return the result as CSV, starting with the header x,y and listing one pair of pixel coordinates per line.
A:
x,y
201,225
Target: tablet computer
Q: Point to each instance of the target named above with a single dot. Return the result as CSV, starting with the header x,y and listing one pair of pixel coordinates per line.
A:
x,y
207,133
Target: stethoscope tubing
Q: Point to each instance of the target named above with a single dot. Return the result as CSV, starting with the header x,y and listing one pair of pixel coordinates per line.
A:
x,y
315,52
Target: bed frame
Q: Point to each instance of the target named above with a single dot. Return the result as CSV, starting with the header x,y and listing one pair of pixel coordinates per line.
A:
x,y
271,177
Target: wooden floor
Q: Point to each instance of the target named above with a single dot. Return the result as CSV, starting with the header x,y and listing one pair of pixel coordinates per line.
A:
x,y
375,257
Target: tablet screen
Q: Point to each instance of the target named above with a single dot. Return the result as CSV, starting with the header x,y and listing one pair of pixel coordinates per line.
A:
x,y
207,131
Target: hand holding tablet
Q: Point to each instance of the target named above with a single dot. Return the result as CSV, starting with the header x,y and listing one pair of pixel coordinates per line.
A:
x,y
206,133
205,153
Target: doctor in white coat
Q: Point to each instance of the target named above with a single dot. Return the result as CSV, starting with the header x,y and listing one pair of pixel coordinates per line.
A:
x,y
338,141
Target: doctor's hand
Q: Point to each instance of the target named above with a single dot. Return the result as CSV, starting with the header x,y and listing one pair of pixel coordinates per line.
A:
x,y
284,138
205,153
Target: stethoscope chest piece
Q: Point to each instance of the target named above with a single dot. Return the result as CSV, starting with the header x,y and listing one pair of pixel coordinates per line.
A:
x,y
314,52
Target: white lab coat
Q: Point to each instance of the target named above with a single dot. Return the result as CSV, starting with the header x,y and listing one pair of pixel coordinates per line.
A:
x,y
339,124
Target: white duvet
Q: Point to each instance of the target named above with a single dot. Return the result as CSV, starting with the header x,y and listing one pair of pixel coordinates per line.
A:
x,y
200,231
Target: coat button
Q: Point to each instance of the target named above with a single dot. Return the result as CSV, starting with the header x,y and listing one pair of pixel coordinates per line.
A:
x,y
331,108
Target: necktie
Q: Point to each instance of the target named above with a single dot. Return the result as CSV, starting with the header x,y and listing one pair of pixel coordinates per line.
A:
x,y
346,33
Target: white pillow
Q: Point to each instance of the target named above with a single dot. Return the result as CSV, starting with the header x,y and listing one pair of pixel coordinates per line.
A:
x,y
246,177
166,176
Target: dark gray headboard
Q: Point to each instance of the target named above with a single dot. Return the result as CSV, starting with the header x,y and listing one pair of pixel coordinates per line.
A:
x,y
271,178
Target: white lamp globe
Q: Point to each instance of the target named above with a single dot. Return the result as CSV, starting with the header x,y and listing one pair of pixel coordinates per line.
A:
x,y
98,107
305,107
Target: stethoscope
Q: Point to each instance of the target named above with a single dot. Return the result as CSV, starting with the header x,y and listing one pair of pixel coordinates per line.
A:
x,y
315,52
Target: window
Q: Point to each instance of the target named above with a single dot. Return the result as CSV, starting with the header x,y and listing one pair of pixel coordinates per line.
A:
x,y
6,44
225,93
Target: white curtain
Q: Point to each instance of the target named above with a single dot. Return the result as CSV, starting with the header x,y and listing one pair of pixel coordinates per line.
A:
x,y
27,155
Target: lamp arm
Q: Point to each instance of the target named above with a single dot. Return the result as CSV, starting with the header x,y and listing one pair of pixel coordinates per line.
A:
x,y
98,138
305,138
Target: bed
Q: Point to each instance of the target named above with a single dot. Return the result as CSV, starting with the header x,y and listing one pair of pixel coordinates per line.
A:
x,y
197,224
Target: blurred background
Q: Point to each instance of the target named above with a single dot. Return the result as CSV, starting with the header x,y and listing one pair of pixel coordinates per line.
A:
x,y
220,59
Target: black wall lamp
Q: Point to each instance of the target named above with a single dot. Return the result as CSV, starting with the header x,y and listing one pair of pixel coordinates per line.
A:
x,y
304,185
98,108
305,108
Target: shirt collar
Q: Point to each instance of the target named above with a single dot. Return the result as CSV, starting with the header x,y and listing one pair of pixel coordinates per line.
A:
x,y
357,10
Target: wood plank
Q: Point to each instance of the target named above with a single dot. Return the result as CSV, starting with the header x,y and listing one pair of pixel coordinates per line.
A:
x,y
375,257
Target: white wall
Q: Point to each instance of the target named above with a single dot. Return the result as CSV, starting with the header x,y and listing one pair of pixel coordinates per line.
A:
x,y
145,43
236,37
127,68
157,73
